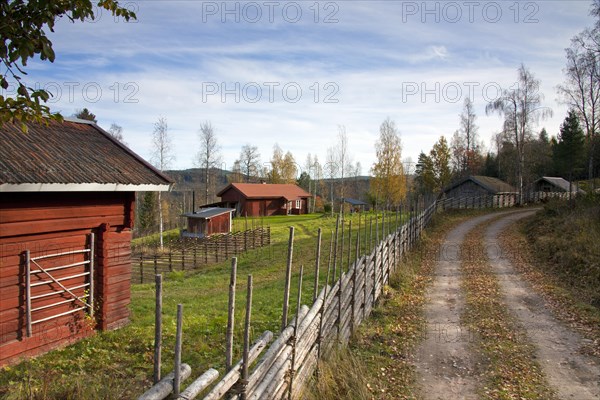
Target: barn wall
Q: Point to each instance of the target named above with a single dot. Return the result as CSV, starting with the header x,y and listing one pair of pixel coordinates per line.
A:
x,y
219,224
467,189
48,223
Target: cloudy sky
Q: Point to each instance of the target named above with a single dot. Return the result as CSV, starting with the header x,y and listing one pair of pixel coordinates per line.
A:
x,y
290,73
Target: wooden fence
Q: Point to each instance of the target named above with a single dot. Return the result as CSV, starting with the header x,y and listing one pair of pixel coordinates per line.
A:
x,y
345,301
337,309
497,200
190,253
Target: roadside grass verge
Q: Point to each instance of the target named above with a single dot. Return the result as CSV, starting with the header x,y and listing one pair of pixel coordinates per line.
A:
x,y
507,356
379,360
557,252
118,364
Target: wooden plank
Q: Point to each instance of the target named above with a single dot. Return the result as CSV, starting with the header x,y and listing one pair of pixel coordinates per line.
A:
x,y
164,388
199,384
33,227
231,378
26,214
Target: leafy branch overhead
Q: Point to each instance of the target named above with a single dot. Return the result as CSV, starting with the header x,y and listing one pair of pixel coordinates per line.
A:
x,y
24,29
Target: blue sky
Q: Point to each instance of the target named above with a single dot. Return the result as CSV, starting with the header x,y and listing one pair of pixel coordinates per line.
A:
x,y
271,72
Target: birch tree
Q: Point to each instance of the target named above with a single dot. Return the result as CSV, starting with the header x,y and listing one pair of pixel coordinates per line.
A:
x,y
522,109
581,89
389,181
249,162
342,158
209,155
162,158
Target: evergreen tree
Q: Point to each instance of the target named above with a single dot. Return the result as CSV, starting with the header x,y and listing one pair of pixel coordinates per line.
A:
x,y
85,114
425,177
148,211
440,157
569,151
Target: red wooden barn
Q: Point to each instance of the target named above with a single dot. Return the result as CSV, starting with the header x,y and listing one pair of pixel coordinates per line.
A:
x,y
66,214
260,199
208,221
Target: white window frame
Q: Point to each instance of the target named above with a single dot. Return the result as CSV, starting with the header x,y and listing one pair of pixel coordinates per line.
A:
x,y
298,204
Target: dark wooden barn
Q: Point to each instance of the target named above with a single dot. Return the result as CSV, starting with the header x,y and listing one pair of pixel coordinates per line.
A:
x,y
66,214
259,199
208,221
477,185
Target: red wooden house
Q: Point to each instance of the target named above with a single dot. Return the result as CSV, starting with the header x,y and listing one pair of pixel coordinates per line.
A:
x,y
66,214
260,199
208,221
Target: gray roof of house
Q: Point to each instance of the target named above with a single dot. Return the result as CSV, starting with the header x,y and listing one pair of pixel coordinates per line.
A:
x,y
354,202
559,183
208,213
492,185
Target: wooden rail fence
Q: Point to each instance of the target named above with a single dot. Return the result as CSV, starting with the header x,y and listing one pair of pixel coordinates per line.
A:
x,y
343,303
190,253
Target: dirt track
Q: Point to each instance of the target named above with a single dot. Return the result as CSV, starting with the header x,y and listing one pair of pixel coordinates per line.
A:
x,y
446,366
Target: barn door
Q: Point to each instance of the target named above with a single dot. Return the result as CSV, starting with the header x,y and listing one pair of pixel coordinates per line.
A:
x,y
59,284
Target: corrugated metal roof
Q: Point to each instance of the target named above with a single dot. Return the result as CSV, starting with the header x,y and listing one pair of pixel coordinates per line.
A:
x,y
71,152
274,191
208,213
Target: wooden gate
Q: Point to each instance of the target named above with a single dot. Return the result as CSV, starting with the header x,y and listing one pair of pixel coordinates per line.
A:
x,y
59,284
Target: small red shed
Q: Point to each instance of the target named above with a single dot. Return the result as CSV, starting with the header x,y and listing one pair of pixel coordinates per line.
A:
x,y
66,214
262,199
208,221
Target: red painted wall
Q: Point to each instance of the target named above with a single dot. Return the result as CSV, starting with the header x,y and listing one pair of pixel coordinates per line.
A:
x,y
48,223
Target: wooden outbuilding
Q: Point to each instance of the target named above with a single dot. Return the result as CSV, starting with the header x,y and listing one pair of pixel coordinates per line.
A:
x,y
208,221
355,204
477,185
66,215
549,184
261,199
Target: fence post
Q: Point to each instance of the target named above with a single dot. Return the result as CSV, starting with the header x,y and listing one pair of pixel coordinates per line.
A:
x,y
342,222
375,262
178,337
230,316
349,244
205,250
141,266
295,337
183,258
157,328
244,380
317,264
155,264
337,225
288,277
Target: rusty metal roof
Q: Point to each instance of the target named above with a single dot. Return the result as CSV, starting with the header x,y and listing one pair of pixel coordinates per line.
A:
x,y
73,155
264,190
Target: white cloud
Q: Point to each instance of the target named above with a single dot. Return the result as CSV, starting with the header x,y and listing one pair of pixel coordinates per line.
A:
x,y
378,60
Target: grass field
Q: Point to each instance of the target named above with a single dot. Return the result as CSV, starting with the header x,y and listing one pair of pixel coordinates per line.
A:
x,y
118,364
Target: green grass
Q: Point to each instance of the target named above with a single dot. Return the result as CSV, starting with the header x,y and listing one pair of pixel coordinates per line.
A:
x,y
565,237
118,364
